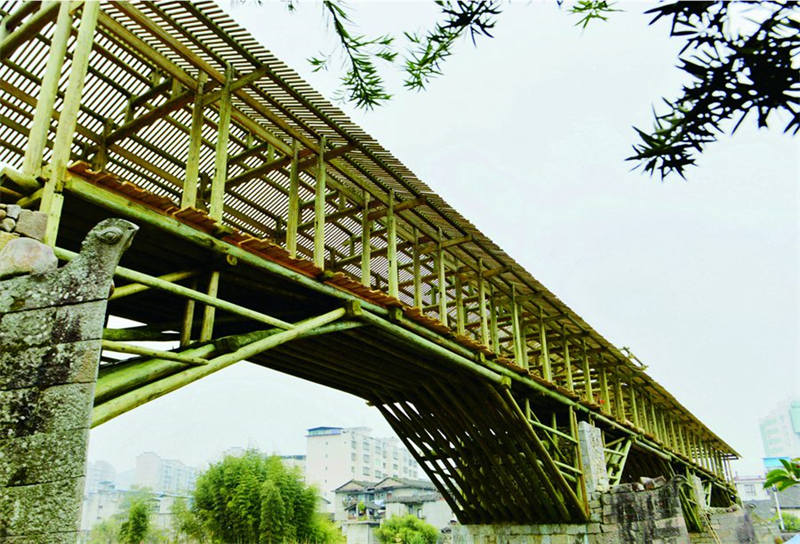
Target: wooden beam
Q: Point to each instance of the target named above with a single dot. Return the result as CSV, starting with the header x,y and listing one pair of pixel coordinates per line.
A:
x,y
444,244
398,207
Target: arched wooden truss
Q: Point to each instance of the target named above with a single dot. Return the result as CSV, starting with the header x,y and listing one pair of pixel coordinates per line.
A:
x,y
275,230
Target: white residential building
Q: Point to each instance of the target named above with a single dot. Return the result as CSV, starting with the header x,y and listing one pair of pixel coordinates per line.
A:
x,y
164,475
780,430
336,455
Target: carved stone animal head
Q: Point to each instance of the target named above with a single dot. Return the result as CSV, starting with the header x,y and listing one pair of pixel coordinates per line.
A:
x,y
102,248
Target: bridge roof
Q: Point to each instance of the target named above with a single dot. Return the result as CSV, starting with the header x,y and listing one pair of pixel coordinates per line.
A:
x,y
276,106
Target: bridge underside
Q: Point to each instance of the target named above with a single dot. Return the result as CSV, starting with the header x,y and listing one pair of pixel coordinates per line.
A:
x,y
276,231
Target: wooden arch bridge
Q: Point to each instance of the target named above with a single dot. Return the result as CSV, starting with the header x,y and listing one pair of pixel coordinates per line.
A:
x,y
273,229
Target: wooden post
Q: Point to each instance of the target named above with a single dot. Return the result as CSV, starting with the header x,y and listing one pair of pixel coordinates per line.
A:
x,y
293,216
40,127
366,243
460,317
493,328
189,194
319,209
188,319
441,281
52,199
634,407
567,360
207,328
606,408
547,372
656,431
516,330
482,305
391,250
619,400
221,158
416,272
587,374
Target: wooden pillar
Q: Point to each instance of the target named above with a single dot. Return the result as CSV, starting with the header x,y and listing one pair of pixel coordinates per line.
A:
x,y
40,127
547,372
656,431
460,315
217,199
216,202
391,250
665,432
634,407
619,400
606,408
494,330
587,374
366,244
293,215
516,330
482,313
188,319
417,272
441,281
189,194
567,360
319,208
207,328
52,198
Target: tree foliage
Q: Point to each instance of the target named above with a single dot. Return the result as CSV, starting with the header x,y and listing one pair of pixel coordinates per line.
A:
x,y
255,499
406,530
738,64
735,70
134,528
783,478
131,525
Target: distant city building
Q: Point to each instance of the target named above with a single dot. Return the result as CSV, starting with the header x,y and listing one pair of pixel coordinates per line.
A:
x,y
336,455
107,500
295,461
751,488
164,475
780,430
99,473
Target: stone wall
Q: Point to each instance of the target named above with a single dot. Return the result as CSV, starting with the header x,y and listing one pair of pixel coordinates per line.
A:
x,y
51,323
641,513
736,526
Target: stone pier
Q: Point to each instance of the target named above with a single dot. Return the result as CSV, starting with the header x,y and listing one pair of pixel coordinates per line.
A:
x,y
51,325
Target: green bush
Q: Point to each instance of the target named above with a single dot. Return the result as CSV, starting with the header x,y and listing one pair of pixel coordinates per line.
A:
x,y
406,530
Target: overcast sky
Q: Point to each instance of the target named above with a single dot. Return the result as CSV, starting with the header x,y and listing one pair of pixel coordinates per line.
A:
x,y
526,135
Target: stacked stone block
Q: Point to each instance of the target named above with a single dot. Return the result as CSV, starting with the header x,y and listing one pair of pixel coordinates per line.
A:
x,y
16,221
51,325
